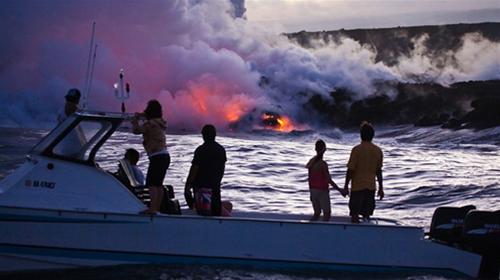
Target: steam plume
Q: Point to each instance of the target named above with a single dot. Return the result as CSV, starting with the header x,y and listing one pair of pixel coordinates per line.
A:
x,y
201,59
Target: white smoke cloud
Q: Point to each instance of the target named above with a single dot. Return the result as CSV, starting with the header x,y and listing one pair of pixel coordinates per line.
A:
x,y
345,64
477,59
201,59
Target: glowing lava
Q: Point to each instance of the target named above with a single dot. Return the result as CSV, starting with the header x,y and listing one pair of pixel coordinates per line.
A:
x,y
210,100
277,122
234,111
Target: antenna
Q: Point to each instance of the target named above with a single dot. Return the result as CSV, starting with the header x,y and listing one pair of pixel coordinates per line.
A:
x,y
89,85
88,72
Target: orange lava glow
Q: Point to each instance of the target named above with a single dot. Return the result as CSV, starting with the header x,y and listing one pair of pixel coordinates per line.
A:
x,y
234,111
278,123
215,101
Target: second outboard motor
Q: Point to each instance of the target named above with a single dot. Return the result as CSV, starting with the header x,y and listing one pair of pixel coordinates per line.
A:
x,y
482,235
447,223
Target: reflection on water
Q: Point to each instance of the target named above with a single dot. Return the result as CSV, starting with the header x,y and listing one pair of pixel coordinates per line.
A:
x,y
195,272
423,169
266,172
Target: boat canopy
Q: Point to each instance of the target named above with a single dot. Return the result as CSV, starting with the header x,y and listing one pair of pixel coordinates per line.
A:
x,y
79,137
61,173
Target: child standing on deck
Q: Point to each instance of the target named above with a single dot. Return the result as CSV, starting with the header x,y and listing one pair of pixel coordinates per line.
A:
x,y
319,179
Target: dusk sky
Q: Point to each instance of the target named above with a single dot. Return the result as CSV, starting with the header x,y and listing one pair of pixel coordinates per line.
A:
x,y
317,15
204,63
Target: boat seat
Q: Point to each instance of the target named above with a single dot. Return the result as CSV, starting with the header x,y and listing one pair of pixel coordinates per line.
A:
x,y
125,174
447,223
169,206
129,172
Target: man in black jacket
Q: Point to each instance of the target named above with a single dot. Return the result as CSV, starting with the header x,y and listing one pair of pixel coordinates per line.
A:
x,y
205,175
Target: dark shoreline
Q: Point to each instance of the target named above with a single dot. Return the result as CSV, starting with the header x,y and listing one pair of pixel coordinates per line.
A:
x,y
473,104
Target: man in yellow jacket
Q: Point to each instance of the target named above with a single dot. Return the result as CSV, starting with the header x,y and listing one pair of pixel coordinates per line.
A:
x,y
365,164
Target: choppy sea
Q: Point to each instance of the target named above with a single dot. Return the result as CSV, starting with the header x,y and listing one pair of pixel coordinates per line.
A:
x,y
424,168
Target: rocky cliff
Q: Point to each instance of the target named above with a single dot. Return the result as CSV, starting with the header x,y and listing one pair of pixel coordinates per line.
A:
x,y
472,104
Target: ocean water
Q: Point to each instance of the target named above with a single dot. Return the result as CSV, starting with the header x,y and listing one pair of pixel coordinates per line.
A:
x,y
424,168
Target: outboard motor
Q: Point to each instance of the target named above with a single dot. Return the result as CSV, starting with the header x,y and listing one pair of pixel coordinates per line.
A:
x,y
482,235
447,223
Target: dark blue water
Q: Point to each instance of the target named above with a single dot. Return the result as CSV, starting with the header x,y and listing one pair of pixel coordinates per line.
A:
x,y
424,168
162,272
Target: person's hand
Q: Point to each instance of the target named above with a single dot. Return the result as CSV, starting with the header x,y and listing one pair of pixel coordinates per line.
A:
x,y
344,192
189,203
188,195
380,193
134,119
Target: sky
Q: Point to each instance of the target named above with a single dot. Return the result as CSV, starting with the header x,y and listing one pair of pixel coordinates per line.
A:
x,y
318,15
207,64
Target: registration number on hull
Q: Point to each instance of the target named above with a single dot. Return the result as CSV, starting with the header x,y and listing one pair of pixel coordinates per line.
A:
x,y
39,184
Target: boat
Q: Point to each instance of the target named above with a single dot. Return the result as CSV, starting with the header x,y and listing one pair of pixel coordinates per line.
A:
x,y
60,210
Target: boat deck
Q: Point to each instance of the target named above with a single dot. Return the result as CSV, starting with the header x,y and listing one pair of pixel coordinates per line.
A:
x,y
290,217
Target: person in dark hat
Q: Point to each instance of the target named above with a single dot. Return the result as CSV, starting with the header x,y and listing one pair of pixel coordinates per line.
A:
x,y
72,144
71,105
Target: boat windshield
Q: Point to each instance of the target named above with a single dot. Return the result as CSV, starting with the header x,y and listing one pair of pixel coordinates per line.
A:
x,y
80,141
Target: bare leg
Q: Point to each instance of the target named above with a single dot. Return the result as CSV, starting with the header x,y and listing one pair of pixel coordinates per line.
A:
x,y
355,219
156,198
315,217
326,216
161,192
316,207
153,194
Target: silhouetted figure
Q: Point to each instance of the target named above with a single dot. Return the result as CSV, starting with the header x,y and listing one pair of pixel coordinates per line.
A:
x,y
319,179
132,157
205,175
365,164
72,100
153,131
71,146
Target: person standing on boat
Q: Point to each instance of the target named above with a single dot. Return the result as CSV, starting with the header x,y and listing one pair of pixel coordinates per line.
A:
x,y
205,175
153,131
319,180
365,164
72,145
71,105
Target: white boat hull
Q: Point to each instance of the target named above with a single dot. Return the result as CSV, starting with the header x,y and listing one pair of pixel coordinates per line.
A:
x,y
36,239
